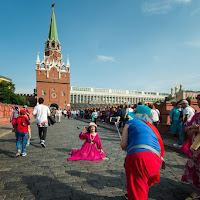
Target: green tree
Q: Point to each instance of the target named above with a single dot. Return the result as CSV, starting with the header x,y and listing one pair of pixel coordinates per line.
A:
x,y
169,98
8,96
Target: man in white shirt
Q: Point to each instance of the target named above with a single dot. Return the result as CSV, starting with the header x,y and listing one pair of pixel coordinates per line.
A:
x,y
188,113
65,113
41,112
154,116
77,114
128,109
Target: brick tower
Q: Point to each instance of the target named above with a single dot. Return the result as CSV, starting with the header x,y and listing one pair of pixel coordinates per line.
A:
x,y
52,75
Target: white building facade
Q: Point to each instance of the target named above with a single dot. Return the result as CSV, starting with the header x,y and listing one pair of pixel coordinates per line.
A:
x,y
113,96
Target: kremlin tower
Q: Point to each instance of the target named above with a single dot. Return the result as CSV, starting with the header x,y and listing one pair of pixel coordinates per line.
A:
x,y
53,75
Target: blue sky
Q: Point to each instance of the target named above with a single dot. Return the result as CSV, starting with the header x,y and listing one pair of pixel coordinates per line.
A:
x,y
148,45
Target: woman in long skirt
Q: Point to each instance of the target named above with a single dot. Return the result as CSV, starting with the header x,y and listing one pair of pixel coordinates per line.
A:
x,y
92,148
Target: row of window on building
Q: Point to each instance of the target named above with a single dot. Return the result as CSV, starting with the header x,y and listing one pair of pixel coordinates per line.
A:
x,y
110,99
53,94
45,73
114,91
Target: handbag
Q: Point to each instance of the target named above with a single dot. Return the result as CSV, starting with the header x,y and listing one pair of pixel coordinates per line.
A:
x,y
51,120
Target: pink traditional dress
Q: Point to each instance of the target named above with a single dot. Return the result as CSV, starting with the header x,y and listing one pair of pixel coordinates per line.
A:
x,y
88,151
192,168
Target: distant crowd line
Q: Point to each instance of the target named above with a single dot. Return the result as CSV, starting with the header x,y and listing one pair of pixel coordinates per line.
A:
x,y
109,114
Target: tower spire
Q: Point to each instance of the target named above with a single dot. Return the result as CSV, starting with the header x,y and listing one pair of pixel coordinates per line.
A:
x,y
53,35
38,58
68,60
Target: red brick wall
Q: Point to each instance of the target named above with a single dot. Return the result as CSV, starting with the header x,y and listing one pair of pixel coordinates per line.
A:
x,y
6,111
52,82
62,101
165,109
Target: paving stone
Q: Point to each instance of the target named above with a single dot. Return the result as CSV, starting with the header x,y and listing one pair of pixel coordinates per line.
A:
x,y
46,174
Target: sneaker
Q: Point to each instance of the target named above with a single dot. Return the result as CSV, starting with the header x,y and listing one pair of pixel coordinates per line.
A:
x,y
177,145
195,195
43,144
28,143
24,154
18,153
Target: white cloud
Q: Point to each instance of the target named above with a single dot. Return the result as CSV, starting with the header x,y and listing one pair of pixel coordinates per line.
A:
x,y
183,1
193,43
156,7
152,7
105,58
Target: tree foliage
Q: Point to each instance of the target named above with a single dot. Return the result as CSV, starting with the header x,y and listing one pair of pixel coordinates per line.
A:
x,y
8,96
169,98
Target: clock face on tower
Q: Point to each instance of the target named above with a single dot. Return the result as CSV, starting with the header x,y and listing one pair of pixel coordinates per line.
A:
x,y
54,95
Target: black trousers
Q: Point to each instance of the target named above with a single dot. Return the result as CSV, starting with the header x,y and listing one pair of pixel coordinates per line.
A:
x,y
42,132
156,124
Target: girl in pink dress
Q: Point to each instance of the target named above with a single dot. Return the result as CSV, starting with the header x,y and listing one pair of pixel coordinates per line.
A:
x,y
89,151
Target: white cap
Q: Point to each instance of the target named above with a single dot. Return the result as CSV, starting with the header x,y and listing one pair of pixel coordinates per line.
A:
x,y
184,101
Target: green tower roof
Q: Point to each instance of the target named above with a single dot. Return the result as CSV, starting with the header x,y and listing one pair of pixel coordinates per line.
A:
x,y
53,35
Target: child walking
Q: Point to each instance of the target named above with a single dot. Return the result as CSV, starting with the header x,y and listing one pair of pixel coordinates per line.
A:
x,y
21,132
29,127
89,151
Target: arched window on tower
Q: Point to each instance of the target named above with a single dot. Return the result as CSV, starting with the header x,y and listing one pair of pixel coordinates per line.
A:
x,y
63,93
53,44
42,66
63,67
43,92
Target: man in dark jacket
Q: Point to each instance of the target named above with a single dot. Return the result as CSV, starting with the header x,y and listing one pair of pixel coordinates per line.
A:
x,y
122,113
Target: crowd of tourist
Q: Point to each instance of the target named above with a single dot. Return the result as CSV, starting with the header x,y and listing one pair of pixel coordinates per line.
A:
x,y
108,114
140,139
180,116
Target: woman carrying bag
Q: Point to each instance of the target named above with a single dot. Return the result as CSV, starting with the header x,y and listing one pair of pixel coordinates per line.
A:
x,y
145,150
191,149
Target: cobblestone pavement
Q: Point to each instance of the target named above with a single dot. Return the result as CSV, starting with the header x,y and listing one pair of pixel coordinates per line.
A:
x,y
45,173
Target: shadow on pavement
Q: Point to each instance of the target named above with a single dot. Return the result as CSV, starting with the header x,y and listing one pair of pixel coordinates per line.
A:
x,y
176,166
169,189
8,140
110,139
7,153
36,145
7,128
43,187
100,181
63,150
